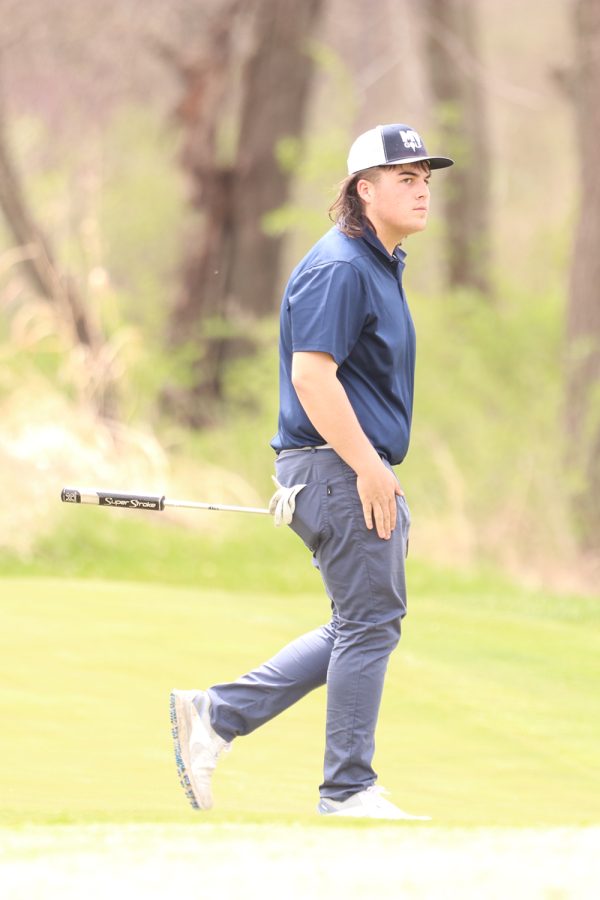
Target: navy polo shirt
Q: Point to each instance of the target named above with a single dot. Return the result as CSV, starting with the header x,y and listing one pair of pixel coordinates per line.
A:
x,y
346,298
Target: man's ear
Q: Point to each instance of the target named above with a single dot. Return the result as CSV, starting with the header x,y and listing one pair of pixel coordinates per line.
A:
x,y
364,189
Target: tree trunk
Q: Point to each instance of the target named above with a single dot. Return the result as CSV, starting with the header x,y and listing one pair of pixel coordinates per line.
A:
x,y
277,79
583,313
39,263
49,282
231,267
461,109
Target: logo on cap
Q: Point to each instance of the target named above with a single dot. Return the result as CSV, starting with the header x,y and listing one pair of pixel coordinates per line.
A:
x,y
411,140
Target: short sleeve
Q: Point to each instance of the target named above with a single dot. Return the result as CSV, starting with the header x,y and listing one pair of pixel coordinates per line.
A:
x,y
327,307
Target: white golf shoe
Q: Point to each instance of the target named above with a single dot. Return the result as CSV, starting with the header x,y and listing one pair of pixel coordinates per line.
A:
x,y
367,804
197,745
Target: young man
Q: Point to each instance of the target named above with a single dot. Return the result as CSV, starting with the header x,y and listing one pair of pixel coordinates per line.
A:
x,y
347,356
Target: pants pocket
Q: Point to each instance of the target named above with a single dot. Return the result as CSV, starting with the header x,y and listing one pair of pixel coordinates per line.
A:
x,y
310,519
404,512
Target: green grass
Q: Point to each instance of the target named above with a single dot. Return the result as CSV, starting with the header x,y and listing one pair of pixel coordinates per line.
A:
x,y
119,545
490,717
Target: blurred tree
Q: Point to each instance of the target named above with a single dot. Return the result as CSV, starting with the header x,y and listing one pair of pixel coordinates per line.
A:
x,y
46,278
583,314
38,260
58,64
231,154
461,106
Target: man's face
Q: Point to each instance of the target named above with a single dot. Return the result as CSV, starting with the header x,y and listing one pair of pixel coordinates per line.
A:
x,y
397,201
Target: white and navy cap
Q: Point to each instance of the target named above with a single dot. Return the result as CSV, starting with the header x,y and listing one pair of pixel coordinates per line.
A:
x,y
388,145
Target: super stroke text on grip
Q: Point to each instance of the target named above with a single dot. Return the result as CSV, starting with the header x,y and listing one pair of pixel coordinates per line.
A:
x,y
133,503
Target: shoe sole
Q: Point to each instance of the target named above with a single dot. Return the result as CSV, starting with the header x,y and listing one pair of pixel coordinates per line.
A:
x,y
180,734
357,813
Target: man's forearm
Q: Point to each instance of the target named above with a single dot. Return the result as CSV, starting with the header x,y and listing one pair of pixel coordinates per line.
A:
x,y
326,404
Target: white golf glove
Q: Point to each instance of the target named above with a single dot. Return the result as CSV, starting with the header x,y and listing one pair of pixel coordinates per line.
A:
x,y
283,502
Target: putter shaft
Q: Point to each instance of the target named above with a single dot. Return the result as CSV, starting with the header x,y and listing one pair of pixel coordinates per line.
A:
x,y
155,503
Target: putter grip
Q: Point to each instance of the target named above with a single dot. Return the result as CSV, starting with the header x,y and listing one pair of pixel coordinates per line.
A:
x,y
109,498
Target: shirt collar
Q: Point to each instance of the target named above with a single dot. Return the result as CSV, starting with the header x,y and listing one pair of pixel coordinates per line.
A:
x,y
398,256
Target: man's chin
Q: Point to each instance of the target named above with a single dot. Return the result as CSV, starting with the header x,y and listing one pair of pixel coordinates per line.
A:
x,y
415,227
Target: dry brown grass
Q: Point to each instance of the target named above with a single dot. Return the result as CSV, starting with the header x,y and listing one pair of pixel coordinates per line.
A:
x,y
48,442
52,435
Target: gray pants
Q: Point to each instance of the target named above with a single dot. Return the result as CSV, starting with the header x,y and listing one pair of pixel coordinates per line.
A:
x,y
364,579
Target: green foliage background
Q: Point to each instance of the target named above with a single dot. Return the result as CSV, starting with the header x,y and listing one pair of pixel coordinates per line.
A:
x,y
486,473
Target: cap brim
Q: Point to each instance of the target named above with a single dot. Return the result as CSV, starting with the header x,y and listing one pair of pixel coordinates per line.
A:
x,y
440,162
435,162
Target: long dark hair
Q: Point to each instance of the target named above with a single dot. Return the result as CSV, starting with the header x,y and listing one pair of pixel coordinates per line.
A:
x,y
347,209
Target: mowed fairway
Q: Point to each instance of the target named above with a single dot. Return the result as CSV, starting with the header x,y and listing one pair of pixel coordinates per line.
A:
x,y
491,714
489,725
